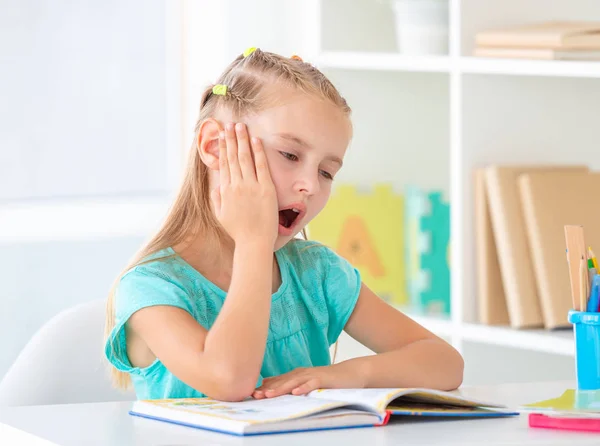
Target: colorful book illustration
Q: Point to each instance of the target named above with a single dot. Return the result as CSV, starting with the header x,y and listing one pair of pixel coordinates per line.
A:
x,y
427,251
366,228
320,409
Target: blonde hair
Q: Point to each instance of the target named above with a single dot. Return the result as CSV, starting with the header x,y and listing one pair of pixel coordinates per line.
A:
x,y
191,214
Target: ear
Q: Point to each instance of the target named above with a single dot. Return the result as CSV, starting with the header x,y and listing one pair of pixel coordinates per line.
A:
x,y
208,142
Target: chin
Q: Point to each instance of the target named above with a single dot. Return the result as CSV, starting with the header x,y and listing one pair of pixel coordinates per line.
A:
x,y
282,241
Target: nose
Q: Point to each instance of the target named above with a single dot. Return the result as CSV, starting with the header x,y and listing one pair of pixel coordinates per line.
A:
x,y
307,183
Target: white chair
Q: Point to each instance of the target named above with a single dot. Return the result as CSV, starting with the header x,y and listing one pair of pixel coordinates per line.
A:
x,y
63,363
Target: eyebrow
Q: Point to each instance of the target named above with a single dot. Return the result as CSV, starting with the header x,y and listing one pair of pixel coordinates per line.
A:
x,y
295,139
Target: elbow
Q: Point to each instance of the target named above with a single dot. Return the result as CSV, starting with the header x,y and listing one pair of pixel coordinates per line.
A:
x,y
456,371
230,394
230,386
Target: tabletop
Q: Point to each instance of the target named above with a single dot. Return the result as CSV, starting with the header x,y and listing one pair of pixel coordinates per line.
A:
x,y
95,424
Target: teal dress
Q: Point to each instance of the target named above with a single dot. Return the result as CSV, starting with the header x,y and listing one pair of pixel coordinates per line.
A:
x,y
317,295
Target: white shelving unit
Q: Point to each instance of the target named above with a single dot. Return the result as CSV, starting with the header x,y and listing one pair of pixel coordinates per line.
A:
x,y
347,60
487,110
554,342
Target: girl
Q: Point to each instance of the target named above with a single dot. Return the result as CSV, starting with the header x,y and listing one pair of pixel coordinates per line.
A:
x,y
224,301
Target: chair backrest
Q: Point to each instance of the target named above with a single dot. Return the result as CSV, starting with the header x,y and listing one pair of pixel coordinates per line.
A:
x,y
63,363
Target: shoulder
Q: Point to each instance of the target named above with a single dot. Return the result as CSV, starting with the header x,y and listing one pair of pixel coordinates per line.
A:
x,y
159,279
163,265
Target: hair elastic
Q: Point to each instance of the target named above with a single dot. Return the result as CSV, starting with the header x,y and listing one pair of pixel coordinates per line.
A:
x,y
220,89
249,51
296,57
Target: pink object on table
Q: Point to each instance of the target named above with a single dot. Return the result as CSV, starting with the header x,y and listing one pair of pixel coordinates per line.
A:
x,y
567,423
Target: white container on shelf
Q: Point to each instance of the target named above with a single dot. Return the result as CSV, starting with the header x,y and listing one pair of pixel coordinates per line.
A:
x,y
421,26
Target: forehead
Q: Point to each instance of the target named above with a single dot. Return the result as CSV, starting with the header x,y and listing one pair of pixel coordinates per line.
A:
x,y
321,124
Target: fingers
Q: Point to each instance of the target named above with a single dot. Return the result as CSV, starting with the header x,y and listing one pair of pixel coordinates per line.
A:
x,y
295,387
215,195
223,162
232,153
260,160
307,387
259,392
283,388
244,154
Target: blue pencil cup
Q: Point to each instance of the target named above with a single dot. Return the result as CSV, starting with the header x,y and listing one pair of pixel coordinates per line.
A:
x,y
586,327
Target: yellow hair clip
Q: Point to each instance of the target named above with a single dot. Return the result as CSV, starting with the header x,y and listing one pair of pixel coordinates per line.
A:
x,y
249,51
220,89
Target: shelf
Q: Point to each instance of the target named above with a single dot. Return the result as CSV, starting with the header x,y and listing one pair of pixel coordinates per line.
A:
x,y
467,65
80,219
436,324
383,62
559,342
519,67
556,341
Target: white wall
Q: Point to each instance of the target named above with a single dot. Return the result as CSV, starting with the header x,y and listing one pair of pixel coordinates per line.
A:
x,y
83,92
84,115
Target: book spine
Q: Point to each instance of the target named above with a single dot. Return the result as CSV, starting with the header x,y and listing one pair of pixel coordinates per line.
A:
x,y
509,40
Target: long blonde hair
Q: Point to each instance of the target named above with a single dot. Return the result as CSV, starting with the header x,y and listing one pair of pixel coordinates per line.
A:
x,y
191,213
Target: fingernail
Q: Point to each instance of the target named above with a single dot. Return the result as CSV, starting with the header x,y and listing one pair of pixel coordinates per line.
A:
x,y
222,135
239,126
229,126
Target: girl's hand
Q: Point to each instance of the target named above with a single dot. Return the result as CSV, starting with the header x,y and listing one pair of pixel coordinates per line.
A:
x,y
245,202
304,380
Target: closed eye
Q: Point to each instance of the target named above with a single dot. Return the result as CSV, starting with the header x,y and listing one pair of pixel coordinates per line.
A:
x,y
292,157
289,156
326,174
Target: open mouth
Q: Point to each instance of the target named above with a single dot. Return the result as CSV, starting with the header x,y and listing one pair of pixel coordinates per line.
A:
x,y
287,217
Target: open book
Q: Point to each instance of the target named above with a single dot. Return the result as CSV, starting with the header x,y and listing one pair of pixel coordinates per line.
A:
x,y
321,409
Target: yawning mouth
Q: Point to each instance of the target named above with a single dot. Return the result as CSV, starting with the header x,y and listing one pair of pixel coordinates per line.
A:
x,y
290,216
287,217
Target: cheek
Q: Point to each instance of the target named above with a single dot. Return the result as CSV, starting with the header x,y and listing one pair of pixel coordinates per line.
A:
x,y
319,202
278,174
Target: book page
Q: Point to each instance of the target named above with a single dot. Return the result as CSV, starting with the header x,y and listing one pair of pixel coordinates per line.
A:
x,y
379,399
372,399
438,397
250,411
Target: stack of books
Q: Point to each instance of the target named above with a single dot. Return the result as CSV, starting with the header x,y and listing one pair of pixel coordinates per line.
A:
x,y
557,40
525,276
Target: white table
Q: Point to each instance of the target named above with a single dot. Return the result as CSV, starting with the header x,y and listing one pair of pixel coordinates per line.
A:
x,y
109,424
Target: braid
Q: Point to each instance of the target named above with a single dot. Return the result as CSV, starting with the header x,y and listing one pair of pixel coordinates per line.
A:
x,y
247,76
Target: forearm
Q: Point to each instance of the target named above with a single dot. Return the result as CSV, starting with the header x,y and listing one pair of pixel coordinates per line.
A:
x,y
237,339
427,363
